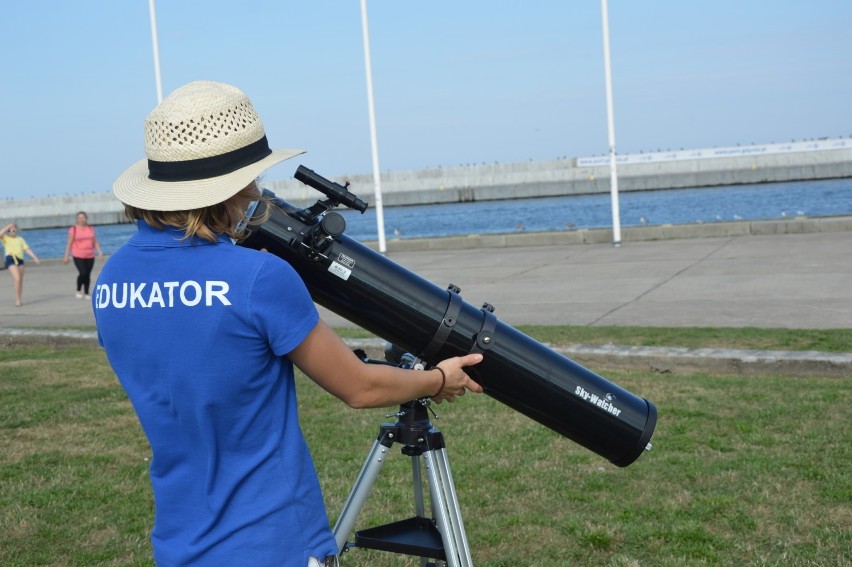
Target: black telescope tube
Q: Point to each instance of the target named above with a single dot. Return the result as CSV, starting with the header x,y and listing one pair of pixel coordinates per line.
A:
x,y
399,306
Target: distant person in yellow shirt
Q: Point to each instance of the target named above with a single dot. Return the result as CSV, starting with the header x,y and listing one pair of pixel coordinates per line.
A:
x,y
14,247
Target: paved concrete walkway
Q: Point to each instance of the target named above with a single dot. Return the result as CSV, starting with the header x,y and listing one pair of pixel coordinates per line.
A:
x,y
796,281
787,280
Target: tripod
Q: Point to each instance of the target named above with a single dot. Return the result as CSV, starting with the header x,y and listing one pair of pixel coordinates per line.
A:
x,y
441,538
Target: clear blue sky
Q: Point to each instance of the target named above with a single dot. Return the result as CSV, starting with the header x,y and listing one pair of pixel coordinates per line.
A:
x,y
455,82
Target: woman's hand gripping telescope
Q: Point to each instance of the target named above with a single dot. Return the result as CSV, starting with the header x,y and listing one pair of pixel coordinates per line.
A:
x,y
455,381
329,362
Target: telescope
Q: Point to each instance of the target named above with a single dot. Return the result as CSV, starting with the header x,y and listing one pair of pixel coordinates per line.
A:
x,y
434,323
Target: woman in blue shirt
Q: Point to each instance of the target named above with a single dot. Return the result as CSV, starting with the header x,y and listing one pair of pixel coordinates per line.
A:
x,y
203,336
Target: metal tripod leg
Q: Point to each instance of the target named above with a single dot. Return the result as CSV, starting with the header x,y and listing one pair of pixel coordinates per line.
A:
x,y
360,490
445,507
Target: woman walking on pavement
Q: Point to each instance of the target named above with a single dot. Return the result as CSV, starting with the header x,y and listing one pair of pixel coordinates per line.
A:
x,y
82,244
14,247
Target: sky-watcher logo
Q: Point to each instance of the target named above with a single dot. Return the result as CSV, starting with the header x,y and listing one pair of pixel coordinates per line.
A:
x,y
605,403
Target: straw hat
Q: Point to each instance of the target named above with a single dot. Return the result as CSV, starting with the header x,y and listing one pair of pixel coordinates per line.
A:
x,y
204,143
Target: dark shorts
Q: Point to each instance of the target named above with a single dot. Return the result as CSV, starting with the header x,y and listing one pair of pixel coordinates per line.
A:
x,y
12,261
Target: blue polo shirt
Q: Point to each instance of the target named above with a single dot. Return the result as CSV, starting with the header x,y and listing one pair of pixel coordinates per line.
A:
x,y
198,334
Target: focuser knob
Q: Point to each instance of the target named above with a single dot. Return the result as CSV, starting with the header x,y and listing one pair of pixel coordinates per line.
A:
x,y
320,236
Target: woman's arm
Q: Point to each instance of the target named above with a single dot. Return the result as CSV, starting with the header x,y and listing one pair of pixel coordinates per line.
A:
x,y
326,359
68,246
29,251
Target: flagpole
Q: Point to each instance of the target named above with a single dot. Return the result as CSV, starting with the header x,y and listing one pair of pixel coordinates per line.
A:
x,y
613,174
374,145
153,12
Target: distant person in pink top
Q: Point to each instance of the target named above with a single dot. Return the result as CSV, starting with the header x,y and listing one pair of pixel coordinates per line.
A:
x,y
82,244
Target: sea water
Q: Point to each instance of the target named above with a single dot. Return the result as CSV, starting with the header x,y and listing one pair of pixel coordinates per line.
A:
x,y
637,208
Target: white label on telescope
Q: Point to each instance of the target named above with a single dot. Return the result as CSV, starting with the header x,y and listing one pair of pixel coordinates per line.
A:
x,y
346,260
605,403
340,271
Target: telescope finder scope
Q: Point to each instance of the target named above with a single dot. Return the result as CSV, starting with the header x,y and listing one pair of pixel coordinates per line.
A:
x,y
334,191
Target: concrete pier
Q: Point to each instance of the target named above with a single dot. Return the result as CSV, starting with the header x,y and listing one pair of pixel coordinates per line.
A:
x,y
824,159
577,176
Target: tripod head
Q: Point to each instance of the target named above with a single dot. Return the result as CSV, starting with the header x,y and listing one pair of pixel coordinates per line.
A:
x,y
396,356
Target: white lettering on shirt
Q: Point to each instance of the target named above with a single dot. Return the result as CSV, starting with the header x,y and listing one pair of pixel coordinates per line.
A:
x,y
189,294
136,295
156,295
171,287
197,291
219,290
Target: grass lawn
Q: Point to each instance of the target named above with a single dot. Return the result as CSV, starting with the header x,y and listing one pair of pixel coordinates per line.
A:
x,y
744,470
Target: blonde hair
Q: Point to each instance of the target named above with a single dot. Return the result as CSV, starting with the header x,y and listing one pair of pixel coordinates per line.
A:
x,y
208,222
